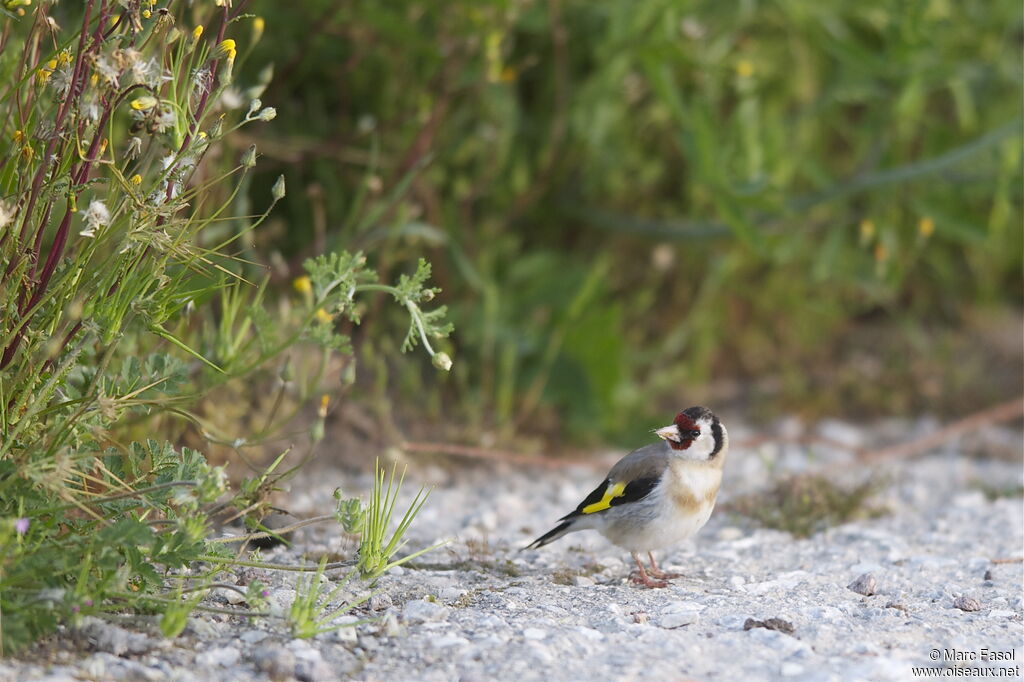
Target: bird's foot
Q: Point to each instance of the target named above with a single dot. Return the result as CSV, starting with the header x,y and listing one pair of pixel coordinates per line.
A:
x,y
646,580
655,571
663,575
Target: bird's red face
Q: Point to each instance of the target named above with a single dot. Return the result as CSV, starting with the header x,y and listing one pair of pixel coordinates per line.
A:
x,y
681,433
697,431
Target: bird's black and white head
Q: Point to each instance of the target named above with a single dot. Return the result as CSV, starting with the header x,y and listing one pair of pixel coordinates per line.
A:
x,y
695,433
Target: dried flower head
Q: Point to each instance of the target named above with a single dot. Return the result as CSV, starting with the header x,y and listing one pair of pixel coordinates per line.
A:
x,y
96,216
7,214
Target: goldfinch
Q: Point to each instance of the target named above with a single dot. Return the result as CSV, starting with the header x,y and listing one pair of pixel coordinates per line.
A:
x,y
657,495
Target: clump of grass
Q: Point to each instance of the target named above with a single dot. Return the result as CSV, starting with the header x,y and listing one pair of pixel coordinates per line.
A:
x,y
377,542
805,504
994,492
565,576
310,613
119,219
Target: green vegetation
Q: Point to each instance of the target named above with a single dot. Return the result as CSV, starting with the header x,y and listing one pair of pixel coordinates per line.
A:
x,y
127,299
818,201
310,614
809,503
626,200
378,543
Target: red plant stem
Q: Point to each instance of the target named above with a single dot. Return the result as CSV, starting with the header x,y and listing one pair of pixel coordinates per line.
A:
x,y
61,237
44,163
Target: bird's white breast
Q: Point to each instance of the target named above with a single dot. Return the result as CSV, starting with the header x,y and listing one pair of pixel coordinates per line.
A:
x,y
676,509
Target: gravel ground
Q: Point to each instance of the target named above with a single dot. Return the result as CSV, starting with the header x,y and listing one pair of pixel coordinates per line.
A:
x,y
870,600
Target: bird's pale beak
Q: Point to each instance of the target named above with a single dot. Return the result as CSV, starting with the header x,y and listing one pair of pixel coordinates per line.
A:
x,y
670,432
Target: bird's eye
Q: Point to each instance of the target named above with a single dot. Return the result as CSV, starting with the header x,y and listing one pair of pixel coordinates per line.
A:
x,y
694,434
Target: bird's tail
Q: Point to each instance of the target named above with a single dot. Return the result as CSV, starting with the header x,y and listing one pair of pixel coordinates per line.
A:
x,y
553,534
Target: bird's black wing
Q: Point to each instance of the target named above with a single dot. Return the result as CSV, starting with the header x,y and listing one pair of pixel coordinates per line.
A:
x,y
608,495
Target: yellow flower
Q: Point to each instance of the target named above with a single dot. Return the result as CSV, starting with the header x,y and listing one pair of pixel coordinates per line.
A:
x,y
926,227
146,14
303,285
136,180
867,229
226,49
323,316
144,103
258,24
43,74
744,68
197,32
18,136
325,400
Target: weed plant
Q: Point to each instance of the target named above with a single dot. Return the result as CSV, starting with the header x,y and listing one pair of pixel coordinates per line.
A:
x,y
124,300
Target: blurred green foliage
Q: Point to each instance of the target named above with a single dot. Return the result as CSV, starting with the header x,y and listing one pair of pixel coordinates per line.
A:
x,y
623,200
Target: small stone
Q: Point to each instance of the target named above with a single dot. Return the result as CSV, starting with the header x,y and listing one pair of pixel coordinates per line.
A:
x,y
102,636
309,666
95,667
281,600
730,533
582,581
671,621
253,636
770,624
232,597
448,640
203,628
967,604
380,601
388,626
591,633
791,669
347,633
223,656
865,584
1001,613
313,670
276,661
450,594
988,575
421,611
541,652
534,634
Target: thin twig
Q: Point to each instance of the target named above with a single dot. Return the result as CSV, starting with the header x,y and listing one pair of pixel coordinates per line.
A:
x,y
1012,409
276,531
494,455
275,567
1007,411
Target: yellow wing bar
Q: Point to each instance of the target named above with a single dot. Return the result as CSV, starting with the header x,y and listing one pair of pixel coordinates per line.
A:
x,y
613,491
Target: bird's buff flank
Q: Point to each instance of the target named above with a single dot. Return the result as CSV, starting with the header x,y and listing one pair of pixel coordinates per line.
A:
x,y
657,495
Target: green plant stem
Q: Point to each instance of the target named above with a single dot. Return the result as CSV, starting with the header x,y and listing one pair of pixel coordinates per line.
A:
x,y
213,559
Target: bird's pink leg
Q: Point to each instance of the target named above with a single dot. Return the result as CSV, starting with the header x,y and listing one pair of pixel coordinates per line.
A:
x,y
658,573
642,578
